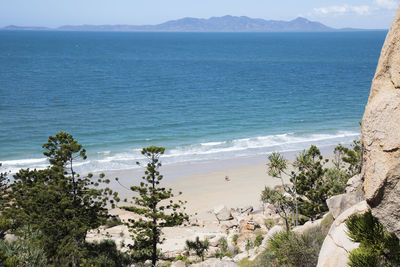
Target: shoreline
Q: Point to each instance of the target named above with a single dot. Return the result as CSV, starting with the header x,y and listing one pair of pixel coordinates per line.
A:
x,y
203,184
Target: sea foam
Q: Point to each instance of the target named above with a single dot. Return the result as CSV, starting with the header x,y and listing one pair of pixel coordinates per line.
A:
x,y
213,150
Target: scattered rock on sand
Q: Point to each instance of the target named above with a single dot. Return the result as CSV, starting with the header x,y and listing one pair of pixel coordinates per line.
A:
x,y
223,213
178,264
215,263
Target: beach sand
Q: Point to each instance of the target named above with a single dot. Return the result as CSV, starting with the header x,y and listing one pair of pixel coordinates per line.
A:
x,y
203,184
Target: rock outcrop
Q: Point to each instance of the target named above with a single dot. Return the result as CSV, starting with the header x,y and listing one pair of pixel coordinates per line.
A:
x,y
223,213
337,245
381,135
339,203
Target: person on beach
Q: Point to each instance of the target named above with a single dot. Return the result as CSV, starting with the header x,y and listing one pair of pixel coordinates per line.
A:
x,y
227,178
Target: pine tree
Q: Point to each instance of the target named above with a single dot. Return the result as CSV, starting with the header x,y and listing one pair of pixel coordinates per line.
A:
x,y
62,205
200,247
155,211
310,183
377,246
308,188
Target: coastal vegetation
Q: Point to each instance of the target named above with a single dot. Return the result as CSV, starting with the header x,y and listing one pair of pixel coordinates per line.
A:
x,y
155,215
51,211
377,246
200,247
311,183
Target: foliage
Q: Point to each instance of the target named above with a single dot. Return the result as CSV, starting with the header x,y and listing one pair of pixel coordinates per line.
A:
x,y
105,254
269,223
290,249
58,202
351,156
283,204
146,231
311,183
200,247
235,238
27,250
335,181
183,258
249,245
223,244
5,223
377,246
113,221
258,240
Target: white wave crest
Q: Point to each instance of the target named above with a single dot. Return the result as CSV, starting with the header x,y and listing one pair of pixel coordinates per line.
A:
x,y
109,160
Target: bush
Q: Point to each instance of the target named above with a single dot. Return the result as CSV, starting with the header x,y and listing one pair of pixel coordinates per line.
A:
x,y
200,247
377,246
25,251
288,248
269,223
113,221
181,258
258,240
235,238
223,244
105,254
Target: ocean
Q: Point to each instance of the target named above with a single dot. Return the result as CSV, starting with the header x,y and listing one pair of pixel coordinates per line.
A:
x,y
203,96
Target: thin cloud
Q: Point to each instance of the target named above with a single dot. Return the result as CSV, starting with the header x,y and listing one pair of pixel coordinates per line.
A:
x,y
344,9
387,4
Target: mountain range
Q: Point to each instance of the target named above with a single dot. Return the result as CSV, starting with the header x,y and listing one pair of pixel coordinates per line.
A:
x,y
213,24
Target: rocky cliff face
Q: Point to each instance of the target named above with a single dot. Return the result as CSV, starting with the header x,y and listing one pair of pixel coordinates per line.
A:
x,y
381,135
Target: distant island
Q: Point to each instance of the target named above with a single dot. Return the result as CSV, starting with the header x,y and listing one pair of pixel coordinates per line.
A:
x,y
213,24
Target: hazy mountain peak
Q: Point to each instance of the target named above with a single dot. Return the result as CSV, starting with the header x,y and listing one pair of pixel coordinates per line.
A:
x,y
227,23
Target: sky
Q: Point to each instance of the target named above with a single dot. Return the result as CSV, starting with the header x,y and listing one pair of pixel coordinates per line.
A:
x,y
368,14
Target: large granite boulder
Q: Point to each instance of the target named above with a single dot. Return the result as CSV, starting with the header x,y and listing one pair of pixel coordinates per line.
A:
x,y
223,213
337,245
339,203
381,135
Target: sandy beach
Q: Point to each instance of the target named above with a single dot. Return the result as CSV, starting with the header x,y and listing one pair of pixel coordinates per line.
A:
x,y
203,184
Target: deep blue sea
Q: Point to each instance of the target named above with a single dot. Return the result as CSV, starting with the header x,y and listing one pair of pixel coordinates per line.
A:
x,y
201,95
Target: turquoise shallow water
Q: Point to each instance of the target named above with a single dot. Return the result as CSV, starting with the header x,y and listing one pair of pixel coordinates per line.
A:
x,y
201,95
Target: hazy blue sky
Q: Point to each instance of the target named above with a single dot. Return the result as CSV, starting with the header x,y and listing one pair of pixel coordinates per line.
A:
x,y
335,13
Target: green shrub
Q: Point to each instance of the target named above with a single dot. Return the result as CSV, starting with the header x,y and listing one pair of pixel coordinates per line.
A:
x,y
228,254
258,240
105,254
288,248
181,258
235,239
200,247
25,251
223,244
113,221
377,246
249,244
269,223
